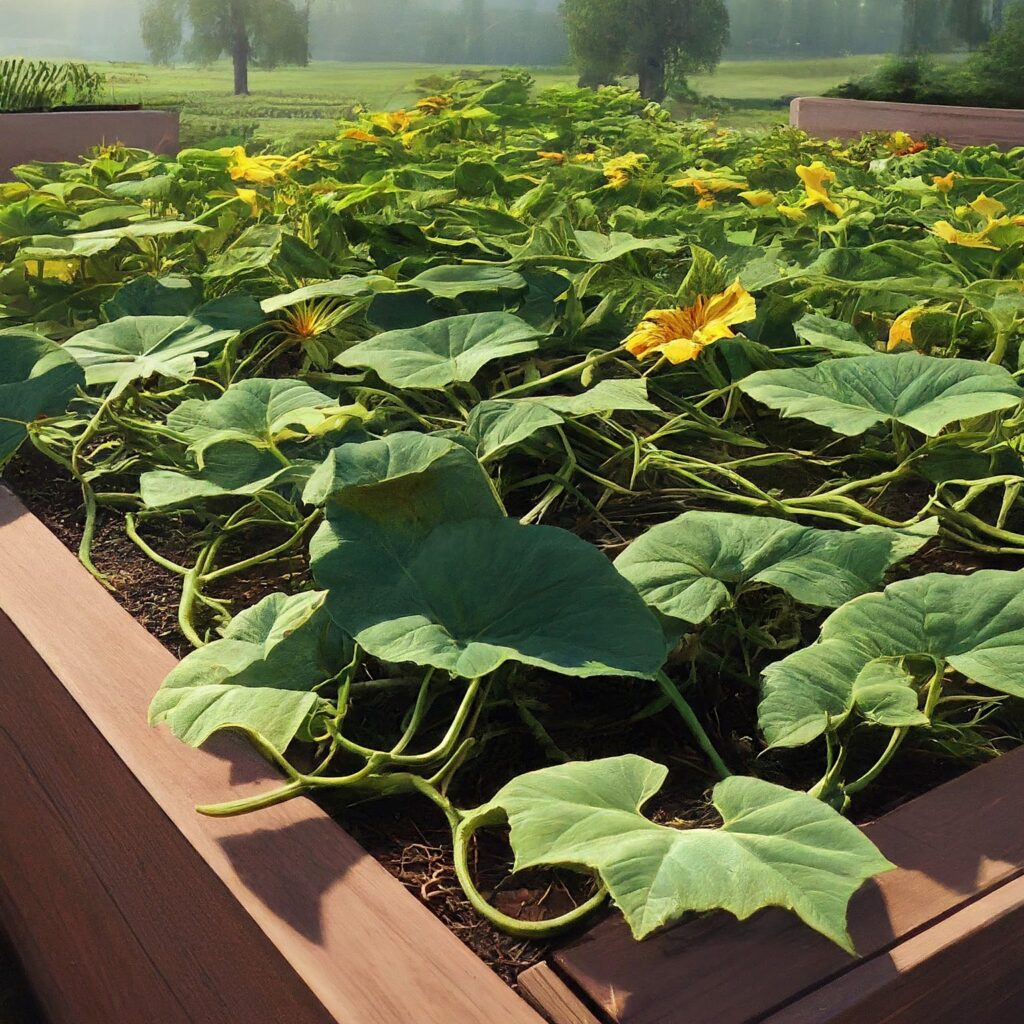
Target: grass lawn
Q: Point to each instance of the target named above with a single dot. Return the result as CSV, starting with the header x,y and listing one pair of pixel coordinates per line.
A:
x,y
291,107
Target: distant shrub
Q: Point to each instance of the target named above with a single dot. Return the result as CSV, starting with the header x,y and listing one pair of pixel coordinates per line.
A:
x,y
993,76
43,85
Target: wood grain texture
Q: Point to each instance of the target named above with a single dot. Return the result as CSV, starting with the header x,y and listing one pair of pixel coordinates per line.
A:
x,y
125,904
969,967
545,990
833,118
952,845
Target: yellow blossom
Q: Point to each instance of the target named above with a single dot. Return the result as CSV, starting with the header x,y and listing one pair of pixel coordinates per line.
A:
x,y
681,334
394,122
967,239
555,158
945,182
816,179
585,158
261,170
902,329
758,197
988,207
793,213
359,135
705,202
620,170
252,199
703,184
434,104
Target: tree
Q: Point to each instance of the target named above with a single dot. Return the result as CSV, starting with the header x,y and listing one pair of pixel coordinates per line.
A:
x,y
161,31
262,32
659,41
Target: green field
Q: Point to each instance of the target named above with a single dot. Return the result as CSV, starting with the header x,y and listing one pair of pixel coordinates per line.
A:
x,y
291,107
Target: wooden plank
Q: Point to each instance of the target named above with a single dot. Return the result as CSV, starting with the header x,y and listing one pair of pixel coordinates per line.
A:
x,y
834,118
546,991
129,906
954,844
970,967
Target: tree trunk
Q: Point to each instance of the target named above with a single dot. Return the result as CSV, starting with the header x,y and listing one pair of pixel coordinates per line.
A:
x,y
998,14
652,78
239,49
909,41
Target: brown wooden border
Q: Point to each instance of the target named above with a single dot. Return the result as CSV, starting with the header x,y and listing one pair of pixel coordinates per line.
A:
x,y
125,905
833,118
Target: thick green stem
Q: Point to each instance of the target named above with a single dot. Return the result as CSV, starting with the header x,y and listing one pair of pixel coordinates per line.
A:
x,y
511,925
681,705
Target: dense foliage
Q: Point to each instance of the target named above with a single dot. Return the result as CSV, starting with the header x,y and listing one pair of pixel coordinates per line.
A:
x,y
43,84
582,418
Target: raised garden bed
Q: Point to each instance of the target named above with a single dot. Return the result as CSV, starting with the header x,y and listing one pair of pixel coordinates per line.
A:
x,y
536,489
56,135
288,919
827,118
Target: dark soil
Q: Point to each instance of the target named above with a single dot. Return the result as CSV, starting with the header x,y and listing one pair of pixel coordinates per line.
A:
x,y
411,839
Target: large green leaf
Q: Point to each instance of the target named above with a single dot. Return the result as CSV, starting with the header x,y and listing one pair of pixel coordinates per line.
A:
x,y
262,412
974,624
139,347
347,287
775,847
37,378
468,596
229,469
443,352
600,248
154,296
451,281
853,395
259,677
692,566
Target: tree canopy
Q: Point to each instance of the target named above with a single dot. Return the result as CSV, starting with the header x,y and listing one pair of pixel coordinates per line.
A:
x,y
261,32
659,41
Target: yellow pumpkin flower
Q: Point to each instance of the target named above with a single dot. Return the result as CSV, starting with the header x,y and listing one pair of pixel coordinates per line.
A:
x,y
394,122
816,178
555,158
261,170
968,239
703,184
681,334
359,135
252,199
434,104
705,202
620,170
585,158
793,213
902,329
945,182
988,207
758,197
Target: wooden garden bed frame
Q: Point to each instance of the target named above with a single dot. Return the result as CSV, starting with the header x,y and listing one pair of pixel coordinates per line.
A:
x,y
832,118
127,906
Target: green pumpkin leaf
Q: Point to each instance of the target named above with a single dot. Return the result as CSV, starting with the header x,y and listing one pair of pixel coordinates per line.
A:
x,y
261,412
443,352
884,694
139,347
154,296
974,624
468,596
832,335
259,677
598,248
451,281
347,287
692,566
775,847
37,378
853,395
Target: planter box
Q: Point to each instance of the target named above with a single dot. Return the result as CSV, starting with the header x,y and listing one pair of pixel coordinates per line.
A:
x,y
127,906
67,134
961,126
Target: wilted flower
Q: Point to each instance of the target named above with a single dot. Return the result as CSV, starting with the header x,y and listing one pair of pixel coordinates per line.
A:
x,y
902,329
968,239
945,182
555,158
758,197
434,104
816,179
681,334
394,122
261,170
620,170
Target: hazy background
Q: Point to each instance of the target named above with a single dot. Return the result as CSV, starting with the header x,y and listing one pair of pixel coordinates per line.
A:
x,y
451,31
